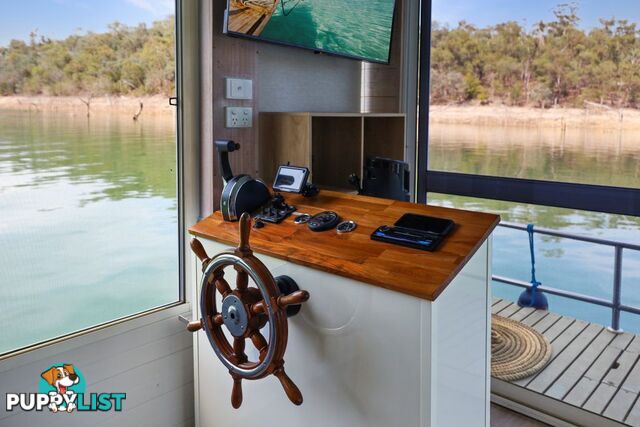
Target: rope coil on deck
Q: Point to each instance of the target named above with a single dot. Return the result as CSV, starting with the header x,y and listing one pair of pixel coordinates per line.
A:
x,y
517,351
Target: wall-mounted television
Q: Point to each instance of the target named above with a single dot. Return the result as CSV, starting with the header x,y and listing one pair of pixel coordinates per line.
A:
x,y
359,29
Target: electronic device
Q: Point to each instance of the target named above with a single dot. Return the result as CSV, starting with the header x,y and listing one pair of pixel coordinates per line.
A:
x,y
302,219
426,224
346,227
385,178
323,221
361,31
415,231
275,211
291,179
241,193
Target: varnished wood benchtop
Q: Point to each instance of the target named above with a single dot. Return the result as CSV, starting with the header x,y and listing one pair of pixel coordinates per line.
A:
x,y
410,271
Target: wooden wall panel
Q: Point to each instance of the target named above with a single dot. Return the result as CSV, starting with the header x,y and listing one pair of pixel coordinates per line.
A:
x,y
381,84
222,57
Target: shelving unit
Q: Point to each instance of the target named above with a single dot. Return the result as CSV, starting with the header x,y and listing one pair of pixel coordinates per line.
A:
x,y
332,146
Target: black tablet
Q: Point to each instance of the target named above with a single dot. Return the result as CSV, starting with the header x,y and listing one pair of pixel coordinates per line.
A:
x,y
426,224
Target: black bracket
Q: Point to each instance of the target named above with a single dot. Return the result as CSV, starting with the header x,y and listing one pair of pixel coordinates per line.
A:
x,y
288,286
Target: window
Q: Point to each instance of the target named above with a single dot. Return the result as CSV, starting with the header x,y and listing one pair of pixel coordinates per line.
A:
x,y
89,211
532,111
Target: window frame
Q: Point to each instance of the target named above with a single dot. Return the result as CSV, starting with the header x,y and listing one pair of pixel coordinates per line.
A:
x,y
596,198
187,175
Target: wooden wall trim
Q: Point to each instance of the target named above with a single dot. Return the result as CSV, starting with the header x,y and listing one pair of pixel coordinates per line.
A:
x,y
222,57
206,107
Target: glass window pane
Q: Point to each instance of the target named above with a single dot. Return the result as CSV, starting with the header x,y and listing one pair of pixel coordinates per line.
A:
x,y
88,203
560,262
541,91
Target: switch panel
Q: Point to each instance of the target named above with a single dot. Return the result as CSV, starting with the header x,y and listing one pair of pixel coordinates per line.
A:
x,y
239,89
239,117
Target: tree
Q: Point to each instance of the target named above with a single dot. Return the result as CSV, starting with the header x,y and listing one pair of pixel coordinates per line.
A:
x,y
555,63
124,61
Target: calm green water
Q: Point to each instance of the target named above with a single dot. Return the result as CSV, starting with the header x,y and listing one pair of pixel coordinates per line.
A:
x,y
88,221
586,156
359,28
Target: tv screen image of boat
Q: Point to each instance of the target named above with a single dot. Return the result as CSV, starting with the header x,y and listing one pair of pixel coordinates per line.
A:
x,y
359,29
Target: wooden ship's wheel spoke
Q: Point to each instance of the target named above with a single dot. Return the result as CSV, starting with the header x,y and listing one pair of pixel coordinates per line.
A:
x,y
238,350
260,343
223,287
217,320
258,308
242,280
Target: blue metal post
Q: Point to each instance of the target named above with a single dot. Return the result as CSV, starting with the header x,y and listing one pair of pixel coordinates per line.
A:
x,y
617,289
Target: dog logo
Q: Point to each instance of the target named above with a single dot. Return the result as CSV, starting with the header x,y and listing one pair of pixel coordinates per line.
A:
x,y
62,378
61,390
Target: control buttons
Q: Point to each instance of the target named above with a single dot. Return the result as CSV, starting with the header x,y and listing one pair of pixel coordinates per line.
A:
x,y
323,221
346,227
302,219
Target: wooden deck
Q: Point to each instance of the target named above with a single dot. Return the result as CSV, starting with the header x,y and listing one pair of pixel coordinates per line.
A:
x,y
593,377
250,16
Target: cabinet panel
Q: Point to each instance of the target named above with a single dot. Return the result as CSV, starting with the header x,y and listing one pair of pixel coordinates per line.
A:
x,y
384,137
336,150
332,146
284,138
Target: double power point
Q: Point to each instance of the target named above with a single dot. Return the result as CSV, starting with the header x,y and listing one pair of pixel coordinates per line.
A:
x,y
238,117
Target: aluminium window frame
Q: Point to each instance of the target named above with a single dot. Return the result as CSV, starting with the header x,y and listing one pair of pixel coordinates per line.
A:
x,y
588,197
187,43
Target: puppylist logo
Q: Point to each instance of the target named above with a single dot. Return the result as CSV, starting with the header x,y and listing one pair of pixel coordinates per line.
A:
x,y
62,390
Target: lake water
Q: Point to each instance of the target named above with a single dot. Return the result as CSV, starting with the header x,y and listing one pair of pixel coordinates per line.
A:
x,y
585,156
88,221
328,25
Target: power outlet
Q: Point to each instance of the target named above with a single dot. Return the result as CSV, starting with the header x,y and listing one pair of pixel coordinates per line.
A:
x,y
239,117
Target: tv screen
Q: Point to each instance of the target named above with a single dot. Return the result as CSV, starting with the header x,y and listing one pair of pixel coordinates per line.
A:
x,y
359,29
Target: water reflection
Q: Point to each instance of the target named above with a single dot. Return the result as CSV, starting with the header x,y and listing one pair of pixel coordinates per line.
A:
x,y
589,156
89,218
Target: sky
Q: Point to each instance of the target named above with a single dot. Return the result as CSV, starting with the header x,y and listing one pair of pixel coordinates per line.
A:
x,y
489,12
58,19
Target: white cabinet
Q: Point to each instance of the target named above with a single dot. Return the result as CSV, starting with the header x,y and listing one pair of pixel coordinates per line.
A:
x,y
365,356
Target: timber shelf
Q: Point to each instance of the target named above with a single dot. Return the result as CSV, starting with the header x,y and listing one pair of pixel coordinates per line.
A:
x,y
331,145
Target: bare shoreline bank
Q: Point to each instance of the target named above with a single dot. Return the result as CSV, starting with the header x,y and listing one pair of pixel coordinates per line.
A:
x,y
474,115
151,105
594,118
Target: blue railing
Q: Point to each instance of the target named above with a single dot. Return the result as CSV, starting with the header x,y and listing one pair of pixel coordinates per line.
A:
x,y
615,303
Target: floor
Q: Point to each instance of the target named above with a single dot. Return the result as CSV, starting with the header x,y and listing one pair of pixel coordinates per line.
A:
x,y
592,371
503,417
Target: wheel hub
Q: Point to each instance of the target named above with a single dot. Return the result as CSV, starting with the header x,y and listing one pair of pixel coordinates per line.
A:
x,y
234,315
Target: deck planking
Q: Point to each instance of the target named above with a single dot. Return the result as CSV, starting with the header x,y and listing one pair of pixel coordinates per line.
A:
x,y
590,368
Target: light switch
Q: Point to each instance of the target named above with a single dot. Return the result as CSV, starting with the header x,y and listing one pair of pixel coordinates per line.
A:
x,y
239,89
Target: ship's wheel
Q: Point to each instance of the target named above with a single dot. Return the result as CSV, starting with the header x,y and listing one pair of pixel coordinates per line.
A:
x,y
245,311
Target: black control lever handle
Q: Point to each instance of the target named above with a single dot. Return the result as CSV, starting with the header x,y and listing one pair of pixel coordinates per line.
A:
x,y
224,147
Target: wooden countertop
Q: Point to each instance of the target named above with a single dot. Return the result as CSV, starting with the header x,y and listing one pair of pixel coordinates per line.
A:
x,y
410,271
